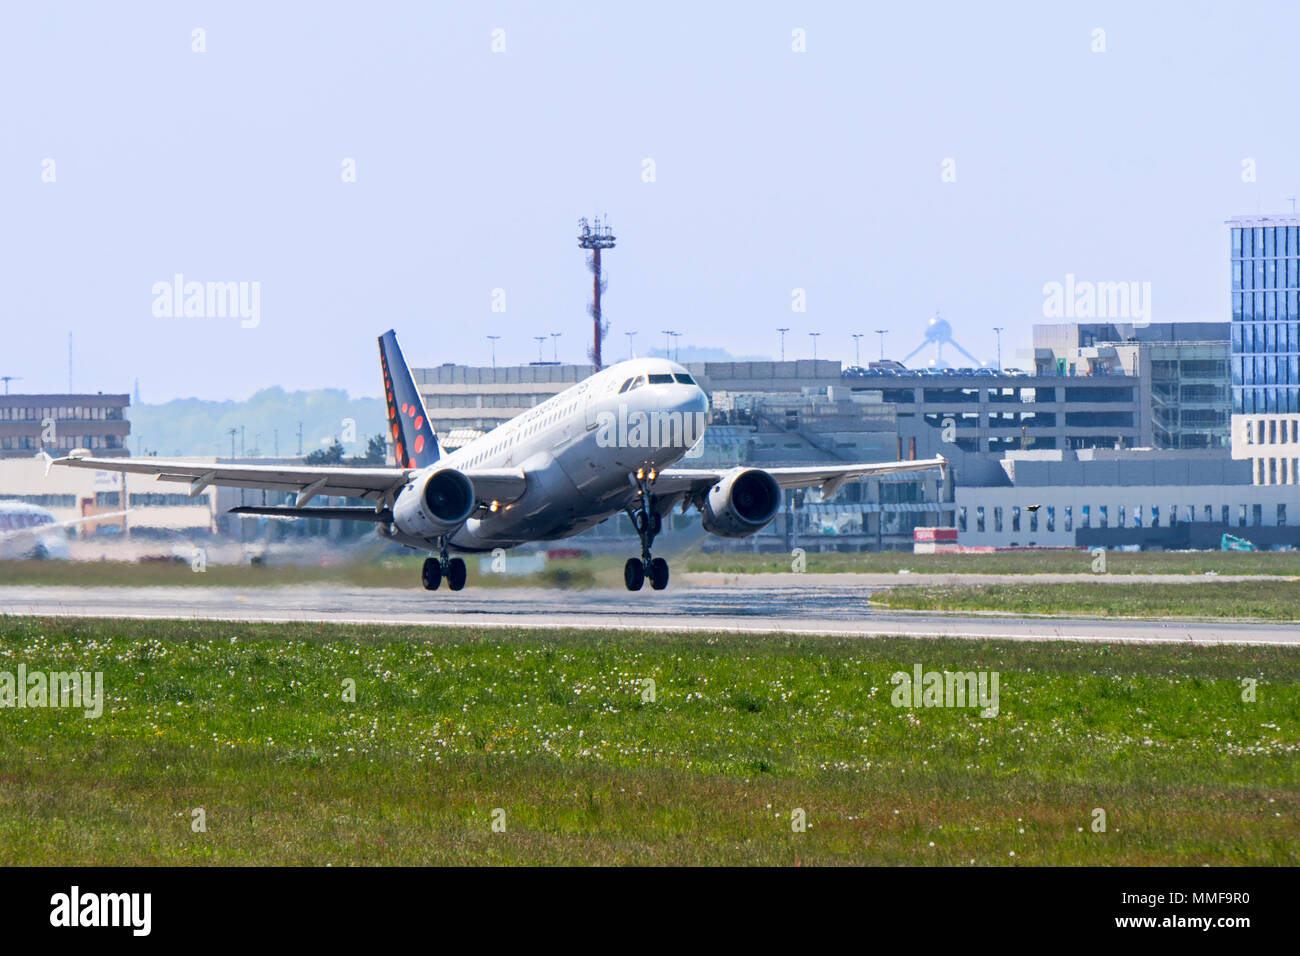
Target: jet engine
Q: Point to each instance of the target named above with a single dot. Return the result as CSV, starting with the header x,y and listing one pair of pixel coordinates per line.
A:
x,y
435,503
741,504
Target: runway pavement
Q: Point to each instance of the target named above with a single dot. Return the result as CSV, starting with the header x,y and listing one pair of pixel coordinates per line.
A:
x,y
805,608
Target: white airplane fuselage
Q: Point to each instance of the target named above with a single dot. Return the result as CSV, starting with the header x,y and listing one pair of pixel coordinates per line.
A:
x,y
579,447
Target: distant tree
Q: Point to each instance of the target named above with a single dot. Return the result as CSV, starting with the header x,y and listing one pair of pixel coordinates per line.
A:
x,y
376,451
333,455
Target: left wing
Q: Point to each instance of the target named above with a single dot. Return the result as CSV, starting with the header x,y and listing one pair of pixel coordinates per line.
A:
x,y
691,481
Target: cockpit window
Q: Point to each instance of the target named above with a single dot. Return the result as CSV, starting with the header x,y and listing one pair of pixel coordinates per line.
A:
x,y
683,378
626,386
636,382
661,379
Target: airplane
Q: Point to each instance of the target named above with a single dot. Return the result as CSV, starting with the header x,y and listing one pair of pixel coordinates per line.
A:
x,y
30,531
605,446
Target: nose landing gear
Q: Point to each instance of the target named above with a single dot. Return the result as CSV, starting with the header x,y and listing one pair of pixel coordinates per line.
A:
x,y
648,523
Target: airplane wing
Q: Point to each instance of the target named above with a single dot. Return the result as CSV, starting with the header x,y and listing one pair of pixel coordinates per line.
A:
x,y
306,481
41,529
693,481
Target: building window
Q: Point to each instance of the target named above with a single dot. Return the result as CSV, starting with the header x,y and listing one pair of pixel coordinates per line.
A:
x,y
1033,522
1085,519
979,519
1103,518
1015,517
1051,518
1069,518
1281,516
961,519
1256,515
997,519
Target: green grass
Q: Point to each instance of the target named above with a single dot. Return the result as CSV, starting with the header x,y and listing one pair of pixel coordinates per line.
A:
x,y
247,722
1264,600
1285,563
401,571
607,571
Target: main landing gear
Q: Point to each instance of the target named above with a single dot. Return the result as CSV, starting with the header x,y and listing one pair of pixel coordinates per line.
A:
x,y
435,569
648,524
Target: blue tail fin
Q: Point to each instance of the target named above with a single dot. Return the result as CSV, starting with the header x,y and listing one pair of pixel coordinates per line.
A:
x,y
414,443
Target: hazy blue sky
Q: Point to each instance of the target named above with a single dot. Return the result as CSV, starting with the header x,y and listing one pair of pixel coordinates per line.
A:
x,y
774,170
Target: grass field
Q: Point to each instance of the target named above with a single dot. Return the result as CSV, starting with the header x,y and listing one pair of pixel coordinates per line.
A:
x,y
248,722
1286,563
607,571
1263,600
389,572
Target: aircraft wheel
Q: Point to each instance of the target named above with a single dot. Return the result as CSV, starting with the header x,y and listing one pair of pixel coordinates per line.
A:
x,y
659,574
634,574
431,574
456,573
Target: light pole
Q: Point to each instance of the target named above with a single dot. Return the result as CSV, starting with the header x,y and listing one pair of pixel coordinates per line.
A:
x,y
677,349
493,340
881,333
814,338
555,346
540,339
998,330
783,331
668,334
629,343
857,349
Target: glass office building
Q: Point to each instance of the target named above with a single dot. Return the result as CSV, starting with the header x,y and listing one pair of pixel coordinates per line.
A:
x,y
1266,346
1265,314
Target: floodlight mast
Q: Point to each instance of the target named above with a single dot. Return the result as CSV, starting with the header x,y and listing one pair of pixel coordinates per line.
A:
x,y
595,236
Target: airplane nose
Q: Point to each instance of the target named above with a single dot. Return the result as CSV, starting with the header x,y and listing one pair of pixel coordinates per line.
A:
x,y
695,401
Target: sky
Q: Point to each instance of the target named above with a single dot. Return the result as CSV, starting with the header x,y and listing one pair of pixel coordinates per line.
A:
x,y
871,164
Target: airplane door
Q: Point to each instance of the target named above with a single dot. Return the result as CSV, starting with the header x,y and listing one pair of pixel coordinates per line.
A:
x,y
589,408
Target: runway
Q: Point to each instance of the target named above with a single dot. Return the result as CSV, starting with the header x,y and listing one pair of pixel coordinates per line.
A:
x,y
744,608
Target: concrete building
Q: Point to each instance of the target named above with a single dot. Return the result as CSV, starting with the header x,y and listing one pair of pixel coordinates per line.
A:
x,y
1181,370
1148,499
1265,262
30,423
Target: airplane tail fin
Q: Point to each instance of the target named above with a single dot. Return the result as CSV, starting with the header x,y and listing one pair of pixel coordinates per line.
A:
x,y
414,443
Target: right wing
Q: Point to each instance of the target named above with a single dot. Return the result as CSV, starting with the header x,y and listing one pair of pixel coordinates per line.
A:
x,y
379,485
307,481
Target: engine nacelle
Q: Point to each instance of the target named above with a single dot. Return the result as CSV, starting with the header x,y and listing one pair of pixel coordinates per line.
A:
x,y
437,503
741,504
